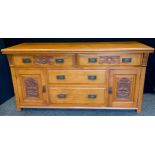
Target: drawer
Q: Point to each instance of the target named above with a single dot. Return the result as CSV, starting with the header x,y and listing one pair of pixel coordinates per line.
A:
x,y
77,76
23,60
100,59
52,60
72,96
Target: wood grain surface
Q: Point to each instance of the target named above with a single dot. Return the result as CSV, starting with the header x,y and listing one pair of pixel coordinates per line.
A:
x,y
95,75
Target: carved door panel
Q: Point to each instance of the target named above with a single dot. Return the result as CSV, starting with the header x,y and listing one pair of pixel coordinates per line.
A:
x,y
123,88
31,87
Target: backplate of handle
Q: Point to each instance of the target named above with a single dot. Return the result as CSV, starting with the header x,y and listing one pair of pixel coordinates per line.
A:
x,y
126,60
27,60
44,89
110,90
92,96
92,77
92,60
59,60
61,95
60,77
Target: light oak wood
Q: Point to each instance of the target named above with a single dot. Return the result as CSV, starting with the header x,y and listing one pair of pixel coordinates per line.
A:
x,y
83,59
132,75
145,59
68,60
77,76
38,76
75,96
79,47
141,87
16,91
103,75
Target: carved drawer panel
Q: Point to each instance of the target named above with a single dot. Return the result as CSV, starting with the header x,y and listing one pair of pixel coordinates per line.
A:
x,y
100,60
58,60
77,76
77,96
41,60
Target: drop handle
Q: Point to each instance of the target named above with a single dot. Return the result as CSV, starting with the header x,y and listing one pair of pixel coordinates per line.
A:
x,y
92,96
126,60
27,60
44,89
92,60
110,90
61,95
92,77
60,77
59,60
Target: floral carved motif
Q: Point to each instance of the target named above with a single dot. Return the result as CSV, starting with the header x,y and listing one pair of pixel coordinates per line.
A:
x,y
31,87
109,59
123,88
43,59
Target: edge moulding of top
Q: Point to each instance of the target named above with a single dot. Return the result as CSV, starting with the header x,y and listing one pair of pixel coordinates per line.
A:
x,y
79,47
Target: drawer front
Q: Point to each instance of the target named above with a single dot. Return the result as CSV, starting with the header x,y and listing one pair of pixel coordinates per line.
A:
x,y
23,60
71,96
100,60
53,60
77,76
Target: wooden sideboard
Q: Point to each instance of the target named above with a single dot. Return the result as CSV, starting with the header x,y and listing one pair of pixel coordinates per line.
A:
x,y
94,75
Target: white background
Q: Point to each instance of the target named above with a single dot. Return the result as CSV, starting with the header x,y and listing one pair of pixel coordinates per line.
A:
x,y
77,18
77,135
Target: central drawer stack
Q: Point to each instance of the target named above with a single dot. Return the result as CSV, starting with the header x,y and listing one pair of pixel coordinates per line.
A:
x,y
76,87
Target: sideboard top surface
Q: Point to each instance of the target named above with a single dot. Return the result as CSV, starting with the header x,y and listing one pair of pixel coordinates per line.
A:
x,y
78,47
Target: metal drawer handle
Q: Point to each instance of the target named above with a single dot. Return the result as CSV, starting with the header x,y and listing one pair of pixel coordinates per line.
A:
x,y
92,96
60,77
92,60
92,77
110,90
27,60
126,60
59,60
61,95
44,89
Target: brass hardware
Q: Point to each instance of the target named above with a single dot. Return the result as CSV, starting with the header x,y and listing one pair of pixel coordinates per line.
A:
x,y
61,95
92,60
92,96
110,90
59,60
126,60
60,77
91,77
27,60
44,89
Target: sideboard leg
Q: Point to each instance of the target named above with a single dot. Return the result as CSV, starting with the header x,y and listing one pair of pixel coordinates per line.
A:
x,y
141,88
18,109
139,110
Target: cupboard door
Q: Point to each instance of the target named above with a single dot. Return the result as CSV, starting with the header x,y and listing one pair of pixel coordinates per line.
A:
x,y
123,90
31,87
